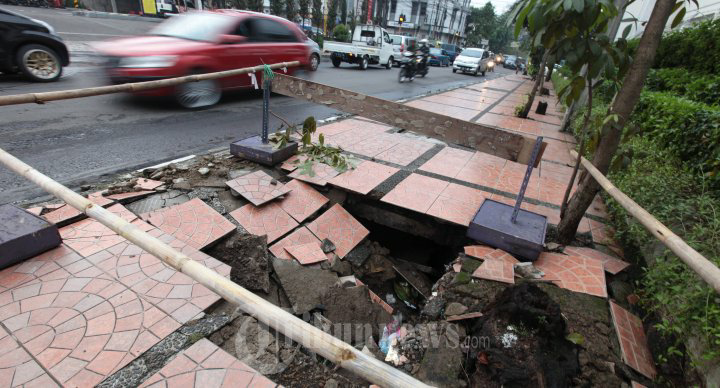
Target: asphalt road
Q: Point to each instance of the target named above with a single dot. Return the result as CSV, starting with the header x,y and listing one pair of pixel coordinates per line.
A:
x,y
84,140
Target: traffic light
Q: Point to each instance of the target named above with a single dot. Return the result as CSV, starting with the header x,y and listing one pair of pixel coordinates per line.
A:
x,y
401,19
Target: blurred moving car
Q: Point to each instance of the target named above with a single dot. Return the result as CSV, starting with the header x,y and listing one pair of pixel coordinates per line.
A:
x,y
438,57
510,62
31,47
452,50
205,42
401,43
472,60
314,54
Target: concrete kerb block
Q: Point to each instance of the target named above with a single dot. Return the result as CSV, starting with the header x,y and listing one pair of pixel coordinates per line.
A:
x,y
24,235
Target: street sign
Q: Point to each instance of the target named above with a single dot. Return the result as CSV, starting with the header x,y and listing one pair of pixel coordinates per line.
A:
x,y
484,42
514,44
393,23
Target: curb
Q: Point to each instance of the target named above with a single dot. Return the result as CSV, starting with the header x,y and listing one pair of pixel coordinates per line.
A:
x,y
111,15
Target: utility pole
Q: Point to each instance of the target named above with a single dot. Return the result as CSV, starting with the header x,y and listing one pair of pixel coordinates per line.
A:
x,y
198,5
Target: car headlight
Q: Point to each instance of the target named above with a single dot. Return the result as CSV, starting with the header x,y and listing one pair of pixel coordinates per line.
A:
x,y
150,62
491,64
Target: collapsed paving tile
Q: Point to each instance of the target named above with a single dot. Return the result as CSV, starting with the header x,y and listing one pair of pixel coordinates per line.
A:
x,y
338,226
194,222
575,273
498,266
300,236
63,215
375,298
204,364
406,151
364,178
84,326
89,236
448,162
270,220
147,184
611,264
302,201
304,286
308,253
464,316
130,196
157,201
633,343
458,204
258,187
173,292
601,233
320,175
416,192
478,251
18,368
99,199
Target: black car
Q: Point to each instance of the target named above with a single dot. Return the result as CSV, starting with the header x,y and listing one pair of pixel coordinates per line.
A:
x,y
31,47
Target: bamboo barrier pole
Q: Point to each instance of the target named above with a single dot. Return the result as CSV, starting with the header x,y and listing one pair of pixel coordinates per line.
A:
x,y
298,330
41,98
697,262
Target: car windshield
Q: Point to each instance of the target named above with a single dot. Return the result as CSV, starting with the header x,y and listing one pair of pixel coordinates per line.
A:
x,y
199,26
435,51
510,58
475,53
397,39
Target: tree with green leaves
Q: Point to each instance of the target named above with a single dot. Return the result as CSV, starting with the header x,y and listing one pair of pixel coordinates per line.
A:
x,y
317,13
343,11
304,9
290,10
277,7
255,5
332,14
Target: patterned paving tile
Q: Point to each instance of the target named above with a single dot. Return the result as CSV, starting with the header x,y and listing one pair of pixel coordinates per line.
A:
x,y
17,368
458,204
478,251
497,265
321,174
610,264
405,151
147,184
258,187
82,327
62,214
89,236
193,221
416,192
302,201
270,220
374,145
448,162
601,233
206,365
308,253
633,344
482,169
299,236
574,273
364,178
338,226
293,162
51,261
173,292
99,199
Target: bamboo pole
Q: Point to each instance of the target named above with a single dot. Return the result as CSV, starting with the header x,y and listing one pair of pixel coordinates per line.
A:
x,y
697,262
41,98
298,330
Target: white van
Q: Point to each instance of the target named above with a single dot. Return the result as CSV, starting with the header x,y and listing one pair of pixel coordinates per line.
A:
x,y
400,44
472,60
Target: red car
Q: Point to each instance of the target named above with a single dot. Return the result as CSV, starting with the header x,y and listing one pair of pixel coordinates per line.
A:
x,y
205,42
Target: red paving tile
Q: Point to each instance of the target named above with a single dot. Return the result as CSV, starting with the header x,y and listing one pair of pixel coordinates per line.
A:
x,y
478,251
299,236
374,145
193,222
635,384
633,344
258,187
293,162
406,151
497,265
173,292
89,236
302,201
448,162
270,220
62,214
575,273
455,112
133,195
147,184
206,365
611,264
364,178
601,233
453,100
320,175
416,192
82,327
49,262
98,199
376,299
17,368
308,253
338,226
458,204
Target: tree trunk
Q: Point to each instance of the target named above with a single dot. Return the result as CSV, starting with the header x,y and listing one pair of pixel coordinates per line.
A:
x,y
551,67
623,105
538,82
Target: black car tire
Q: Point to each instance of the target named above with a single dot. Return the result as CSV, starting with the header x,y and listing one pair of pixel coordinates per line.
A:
x,y
454,70
483,74
314,62
389,64
33,61
201,94
364,63
336,62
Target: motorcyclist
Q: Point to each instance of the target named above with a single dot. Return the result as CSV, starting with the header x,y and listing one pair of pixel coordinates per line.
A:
x,y
424,50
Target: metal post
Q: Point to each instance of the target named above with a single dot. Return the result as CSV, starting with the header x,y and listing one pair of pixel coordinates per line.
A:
x,y
526,179
266,109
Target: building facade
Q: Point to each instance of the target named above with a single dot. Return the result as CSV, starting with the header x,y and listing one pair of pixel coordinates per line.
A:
x,y
641,10
435,20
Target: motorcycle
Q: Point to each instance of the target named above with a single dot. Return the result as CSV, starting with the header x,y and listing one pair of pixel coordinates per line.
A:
x,y
412,65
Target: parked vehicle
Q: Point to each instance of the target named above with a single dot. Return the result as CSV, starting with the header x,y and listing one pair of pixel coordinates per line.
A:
x,y
314,54
401,43
411,66
31,47
452,51
166,7
438,57
472,60
510,62
370,45
205,42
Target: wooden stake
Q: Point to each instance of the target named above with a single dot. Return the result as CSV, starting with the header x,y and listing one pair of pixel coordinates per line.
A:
x,y
298,330
697,262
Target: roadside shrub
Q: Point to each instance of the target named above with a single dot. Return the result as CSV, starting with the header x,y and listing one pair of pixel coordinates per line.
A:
x,y
319,40
559,81
696,48
690,130
694,86
680,199
341,33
